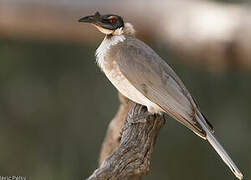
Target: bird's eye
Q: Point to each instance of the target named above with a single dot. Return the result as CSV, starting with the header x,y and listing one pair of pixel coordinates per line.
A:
x,y
112,21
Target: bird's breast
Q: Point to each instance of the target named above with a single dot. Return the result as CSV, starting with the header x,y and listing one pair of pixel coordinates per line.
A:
x,y
125,87
107,62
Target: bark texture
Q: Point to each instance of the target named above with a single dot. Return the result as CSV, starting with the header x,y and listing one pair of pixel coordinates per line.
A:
x,y
131,159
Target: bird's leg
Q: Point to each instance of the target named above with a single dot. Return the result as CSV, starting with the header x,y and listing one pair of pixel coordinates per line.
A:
x,y
143,117
138,115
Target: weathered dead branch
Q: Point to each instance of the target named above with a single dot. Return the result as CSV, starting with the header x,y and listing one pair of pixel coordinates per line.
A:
x,y
131,159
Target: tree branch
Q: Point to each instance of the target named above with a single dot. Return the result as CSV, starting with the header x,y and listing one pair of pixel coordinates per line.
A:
x,y
131,160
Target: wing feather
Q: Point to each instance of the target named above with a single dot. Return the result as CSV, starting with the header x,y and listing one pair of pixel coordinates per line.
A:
x,y
154,78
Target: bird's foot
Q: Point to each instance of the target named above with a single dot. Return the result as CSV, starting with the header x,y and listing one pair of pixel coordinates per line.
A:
x,y
142,118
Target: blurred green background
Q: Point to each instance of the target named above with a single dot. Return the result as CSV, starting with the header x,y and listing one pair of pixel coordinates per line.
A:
x,y
55,106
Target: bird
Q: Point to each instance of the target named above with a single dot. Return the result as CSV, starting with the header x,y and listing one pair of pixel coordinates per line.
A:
x,y
142,76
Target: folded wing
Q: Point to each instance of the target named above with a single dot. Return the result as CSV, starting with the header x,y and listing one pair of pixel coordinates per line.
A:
x,y
154,78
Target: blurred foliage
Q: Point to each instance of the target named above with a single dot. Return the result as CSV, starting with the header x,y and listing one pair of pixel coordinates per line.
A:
x,y
55,105
233,1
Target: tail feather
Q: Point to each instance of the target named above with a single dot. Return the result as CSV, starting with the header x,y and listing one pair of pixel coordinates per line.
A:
x,y
217,146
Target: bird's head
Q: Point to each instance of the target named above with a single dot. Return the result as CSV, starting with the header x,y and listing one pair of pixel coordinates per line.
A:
x,y
107,24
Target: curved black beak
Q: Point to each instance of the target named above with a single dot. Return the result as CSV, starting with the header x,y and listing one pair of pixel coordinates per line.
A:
x,y
87,19
97,20
90,19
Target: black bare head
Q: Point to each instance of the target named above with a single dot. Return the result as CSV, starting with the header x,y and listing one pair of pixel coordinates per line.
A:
x,y
107,23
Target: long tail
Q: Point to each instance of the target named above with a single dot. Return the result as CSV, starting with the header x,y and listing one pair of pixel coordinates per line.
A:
x,y
217,146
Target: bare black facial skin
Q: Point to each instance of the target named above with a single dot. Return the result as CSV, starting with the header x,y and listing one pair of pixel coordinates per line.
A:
x,y
107,21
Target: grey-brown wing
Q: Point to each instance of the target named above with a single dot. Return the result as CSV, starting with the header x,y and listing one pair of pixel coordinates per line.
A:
x,y
154,78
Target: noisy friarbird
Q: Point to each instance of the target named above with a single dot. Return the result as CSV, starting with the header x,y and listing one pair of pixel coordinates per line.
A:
x,y
144,77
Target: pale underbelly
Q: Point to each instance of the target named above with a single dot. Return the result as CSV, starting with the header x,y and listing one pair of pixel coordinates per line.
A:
x,y
128,90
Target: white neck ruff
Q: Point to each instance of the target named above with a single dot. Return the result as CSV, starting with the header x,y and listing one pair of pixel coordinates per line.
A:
x,y
105,46
117,37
